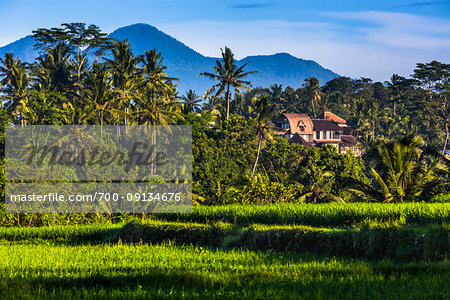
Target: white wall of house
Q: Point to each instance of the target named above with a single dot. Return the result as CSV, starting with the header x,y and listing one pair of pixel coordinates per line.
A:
x,y
327,135
307,137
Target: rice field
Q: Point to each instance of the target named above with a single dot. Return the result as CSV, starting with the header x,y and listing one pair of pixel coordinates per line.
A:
x,y
330,251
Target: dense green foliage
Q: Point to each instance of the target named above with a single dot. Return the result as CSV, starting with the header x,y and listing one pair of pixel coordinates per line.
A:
x,y
223,158
295,245
404,169
82,77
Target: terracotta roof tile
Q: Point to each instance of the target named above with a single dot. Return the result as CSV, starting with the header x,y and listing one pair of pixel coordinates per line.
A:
x,y
328,115
297,122
325,125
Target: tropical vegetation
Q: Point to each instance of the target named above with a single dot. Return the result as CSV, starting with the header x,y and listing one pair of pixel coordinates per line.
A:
x,y
272,219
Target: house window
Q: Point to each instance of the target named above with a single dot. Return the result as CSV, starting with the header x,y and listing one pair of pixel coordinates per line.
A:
x,y
302,128
317,135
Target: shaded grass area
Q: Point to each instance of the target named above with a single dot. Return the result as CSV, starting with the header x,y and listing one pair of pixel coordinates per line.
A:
x,y
122,271
395,242
64,234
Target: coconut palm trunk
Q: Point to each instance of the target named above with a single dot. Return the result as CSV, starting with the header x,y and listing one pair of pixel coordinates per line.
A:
x,y
257,156
228,101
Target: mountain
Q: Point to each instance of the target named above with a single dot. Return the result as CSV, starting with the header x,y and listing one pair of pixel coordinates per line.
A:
x,y
185,63
22,48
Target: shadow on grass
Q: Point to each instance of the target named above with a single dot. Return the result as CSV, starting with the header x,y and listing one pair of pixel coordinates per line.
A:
x,y
181,283
397,244
404,244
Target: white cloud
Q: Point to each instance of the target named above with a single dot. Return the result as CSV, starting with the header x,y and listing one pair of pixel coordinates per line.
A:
x,y
399,29
356,44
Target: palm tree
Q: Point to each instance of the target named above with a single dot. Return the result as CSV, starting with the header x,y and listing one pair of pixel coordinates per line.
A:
x,y
312,86
155,111
155,103
228,75
53,70
7,69
98,92
243,104
191,102
154,71
155,80
264,113
395,87
123,69
394,125
14,82
320,188
370,114
404,169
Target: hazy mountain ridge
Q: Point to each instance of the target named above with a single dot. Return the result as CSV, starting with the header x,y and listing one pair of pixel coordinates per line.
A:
x,y
185,63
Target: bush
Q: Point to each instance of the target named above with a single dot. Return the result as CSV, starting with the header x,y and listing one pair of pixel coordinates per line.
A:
x,y
272,192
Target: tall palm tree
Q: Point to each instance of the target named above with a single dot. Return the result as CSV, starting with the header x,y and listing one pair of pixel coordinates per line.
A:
x,y
155,103
369,115
154,78
312,86
395,88
404,169
123,66
154,72
228,75
264,113
98,92
155,111
191,102
8,65
14,82
53,70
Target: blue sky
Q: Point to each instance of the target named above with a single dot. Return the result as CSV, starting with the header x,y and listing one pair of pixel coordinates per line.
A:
x,y
353,38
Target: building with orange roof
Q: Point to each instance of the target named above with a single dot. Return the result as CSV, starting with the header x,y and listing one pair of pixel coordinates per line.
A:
x,y
326,129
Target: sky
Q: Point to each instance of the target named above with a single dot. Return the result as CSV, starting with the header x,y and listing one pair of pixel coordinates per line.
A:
x,y
371,39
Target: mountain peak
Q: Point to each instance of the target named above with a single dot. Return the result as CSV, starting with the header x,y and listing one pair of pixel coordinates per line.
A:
x,y
142,37
137,26
184,63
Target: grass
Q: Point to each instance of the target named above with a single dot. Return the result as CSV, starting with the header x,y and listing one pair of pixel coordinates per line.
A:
x,y
326,251
123,271
329,214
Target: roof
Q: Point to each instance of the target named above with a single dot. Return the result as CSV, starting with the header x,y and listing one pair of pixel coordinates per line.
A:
x,y
325,125
328,115
348,140
347,130
296,121
297,139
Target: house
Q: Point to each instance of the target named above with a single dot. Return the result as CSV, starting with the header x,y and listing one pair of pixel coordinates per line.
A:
x,y
325,129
